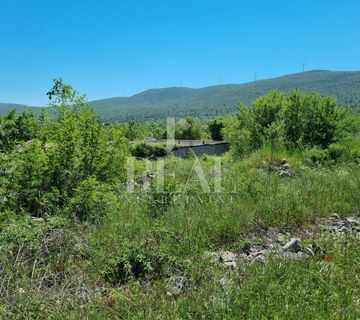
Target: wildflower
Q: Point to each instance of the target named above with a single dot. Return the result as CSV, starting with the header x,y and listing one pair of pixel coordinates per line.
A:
x,y
327,258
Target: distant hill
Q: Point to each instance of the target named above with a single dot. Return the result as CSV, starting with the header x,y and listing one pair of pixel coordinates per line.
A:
x,y
217,100
6,107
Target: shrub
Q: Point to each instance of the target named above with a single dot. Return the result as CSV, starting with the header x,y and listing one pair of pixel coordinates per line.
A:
x,y
17,128
188,129
295,119
40,176
316,157
144,150
161,200
355,155
142,263
92,201
336,151
215,128
310,119
44,243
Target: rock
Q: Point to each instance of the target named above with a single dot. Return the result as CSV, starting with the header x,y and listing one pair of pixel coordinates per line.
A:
x,y
335,216
176,285
226,256
309,251
36,219
294,245
258,253
260,259
353,221
281,238
292,256
285,166
343,229
230,264
228,259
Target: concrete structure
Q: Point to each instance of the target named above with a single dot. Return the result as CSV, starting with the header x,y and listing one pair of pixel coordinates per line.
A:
x,y
199,147
210,148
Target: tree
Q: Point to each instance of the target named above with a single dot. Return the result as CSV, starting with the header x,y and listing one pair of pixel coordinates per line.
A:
x,y
238,132
310,119
72,146
320,121
17,128
215,128
131,131
295,119
188,129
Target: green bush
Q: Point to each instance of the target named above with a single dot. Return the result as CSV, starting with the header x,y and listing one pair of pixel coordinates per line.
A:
x,y
355,155
15,129
295,120
141,263
144,150
40,176
215,128
92,201
161,200
316,157
336,151
46,244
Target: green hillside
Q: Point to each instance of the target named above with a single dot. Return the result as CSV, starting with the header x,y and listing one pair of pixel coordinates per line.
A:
x,y
216,100
6,107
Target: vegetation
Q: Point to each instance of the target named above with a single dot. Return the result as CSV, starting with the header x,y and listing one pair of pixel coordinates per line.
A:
x,y
188,129
209,102
76,243
221,100
294,121
216,127
144,150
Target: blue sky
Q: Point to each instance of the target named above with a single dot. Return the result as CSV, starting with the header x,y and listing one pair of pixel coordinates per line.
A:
x,y
117,48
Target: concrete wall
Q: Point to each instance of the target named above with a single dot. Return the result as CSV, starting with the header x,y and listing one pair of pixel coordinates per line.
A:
x,y
210,149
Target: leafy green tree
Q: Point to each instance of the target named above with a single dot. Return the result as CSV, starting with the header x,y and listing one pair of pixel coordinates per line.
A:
x,y
188,129
42,174
310,119
17,128
215,128
268,109
294,120
320,121
238,131
131,132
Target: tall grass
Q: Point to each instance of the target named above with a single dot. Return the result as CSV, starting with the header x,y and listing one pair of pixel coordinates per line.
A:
x,y
122,268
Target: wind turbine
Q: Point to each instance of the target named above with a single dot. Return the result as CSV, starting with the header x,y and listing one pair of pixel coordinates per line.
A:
x,y
303,67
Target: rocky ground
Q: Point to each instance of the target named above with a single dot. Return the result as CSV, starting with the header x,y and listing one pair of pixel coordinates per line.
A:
x,y
257,249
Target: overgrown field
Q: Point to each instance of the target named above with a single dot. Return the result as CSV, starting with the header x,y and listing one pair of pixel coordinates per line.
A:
x,y
81,239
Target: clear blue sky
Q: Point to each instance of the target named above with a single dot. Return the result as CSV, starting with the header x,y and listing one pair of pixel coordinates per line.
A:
x,y
112,48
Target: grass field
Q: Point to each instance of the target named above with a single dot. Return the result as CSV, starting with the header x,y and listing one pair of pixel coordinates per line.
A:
x,y
269,230
126,267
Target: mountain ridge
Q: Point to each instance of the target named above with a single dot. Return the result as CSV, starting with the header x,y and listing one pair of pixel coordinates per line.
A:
x,y
154,104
